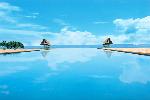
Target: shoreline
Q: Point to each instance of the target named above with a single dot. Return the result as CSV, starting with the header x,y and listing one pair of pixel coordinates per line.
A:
x,y
9,51
139,51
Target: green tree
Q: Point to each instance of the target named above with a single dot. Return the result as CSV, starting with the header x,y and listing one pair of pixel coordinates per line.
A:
x,y
11,45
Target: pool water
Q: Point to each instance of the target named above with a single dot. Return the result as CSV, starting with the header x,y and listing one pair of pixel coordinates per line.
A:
x,y
94,46
74,74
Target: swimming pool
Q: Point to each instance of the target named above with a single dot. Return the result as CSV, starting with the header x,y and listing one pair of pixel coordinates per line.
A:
x,y
74,74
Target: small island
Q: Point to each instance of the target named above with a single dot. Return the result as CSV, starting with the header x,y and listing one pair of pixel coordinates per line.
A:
x,y
13,47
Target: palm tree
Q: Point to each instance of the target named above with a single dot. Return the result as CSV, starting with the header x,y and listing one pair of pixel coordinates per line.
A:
x,y
3,44
11,45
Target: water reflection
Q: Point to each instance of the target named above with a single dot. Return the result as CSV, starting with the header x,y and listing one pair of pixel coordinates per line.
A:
x,y
72,55
128,68
44,53
108,53
131,65
136,71
71,72
4,90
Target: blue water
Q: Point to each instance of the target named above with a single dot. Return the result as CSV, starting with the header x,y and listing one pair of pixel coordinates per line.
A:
x,y
95,46
74,74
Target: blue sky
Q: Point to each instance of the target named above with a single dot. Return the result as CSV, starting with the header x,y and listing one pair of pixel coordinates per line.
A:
x,y
75,21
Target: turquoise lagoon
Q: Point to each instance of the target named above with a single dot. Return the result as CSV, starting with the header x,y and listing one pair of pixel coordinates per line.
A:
x,y
74,74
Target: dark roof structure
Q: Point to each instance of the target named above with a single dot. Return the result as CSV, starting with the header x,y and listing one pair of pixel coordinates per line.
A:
x,y
107,41
45,42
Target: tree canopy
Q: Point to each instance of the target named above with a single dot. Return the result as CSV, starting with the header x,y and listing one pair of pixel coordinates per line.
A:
x,y
11,45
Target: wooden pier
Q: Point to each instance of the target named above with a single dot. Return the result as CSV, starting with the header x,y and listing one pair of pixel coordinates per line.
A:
x,y
139,51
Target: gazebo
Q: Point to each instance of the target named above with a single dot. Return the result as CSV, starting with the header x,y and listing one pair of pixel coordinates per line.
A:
x,y
107,41
45,43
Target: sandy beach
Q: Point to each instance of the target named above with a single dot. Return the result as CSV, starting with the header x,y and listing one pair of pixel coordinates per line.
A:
x,y
140,51
7,51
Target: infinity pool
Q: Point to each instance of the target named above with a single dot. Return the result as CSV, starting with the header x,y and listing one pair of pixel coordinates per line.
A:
x,y
74,74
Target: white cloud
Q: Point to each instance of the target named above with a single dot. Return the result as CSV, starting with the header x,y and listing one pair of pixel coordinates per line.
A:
x,y
100,22
5,12
129,30
117,39
64,37
29,16
33,15
4,16
137,30
9,19
137,24
60,21
100,76
21,32
7,7
75,37
67,35
25,36
32,26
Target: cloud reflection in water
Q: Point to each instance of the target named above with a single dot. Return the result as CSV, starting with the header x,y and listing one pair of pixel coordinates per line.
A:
x,y
128,68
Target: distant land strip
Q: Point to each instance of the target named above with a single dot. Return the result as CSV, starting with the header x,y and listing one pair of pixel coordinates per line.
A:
x,y
8,51
140,51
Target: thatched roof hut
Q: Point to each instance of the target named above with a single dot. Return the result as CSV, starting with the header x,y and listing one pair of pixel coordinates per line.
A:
x,y
107,41
45,42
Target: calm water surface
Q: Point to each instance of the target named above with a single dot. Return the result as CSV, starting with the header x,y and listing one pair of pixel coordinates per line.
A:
x,y
74,74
